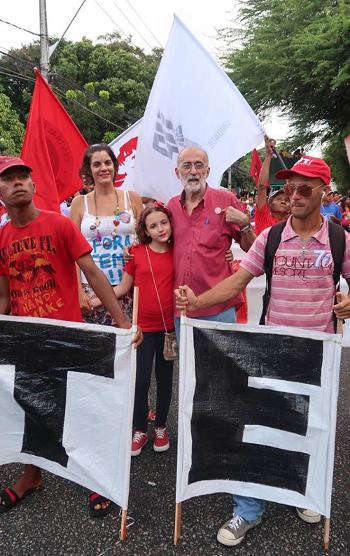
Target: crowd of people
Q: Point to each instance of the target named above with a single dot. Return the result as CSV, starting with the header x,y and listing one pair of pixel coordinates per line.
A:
x,y
270,205
108,240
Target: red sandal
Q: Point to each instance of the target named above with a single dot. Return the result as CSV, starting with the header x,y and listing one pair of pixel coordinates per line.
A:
x,y
11,498
95,499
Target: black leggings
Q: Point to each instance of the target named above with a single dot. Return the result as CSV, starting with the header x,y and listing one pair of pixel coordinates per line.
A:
x,y
153,343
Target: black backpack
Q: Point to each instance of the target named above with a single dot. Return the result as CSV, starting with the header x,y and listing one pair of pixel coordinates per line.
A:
x,y
337,243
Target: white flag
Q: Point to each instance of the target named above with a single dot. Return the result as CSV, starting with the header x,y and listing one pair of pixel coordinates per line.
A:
x,y
124,147
192,102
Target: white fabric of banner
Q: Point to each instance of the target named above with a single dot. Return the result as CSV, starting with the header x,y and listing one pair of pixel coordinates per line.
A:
x,y
98,416
192,103
318,442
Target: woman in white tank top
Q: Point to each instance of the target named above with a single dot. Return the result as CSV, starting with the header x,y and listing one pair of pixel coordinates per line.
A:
x,y
107,218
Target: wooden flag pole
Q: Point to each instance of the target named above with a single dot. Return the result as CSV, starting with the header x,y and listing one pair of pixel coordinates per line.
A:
x,y
177,531
122,535
327,526
135,307
327,520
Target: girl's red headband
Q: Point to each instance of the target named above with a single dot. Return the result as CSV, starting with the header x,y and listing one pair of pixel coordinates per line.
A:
x,y
156,204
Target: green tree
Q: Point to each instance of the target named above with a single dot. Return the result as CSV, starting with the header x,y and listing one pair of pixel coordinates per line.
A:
x,y
335,155
240,175
294,56
104,86
11,129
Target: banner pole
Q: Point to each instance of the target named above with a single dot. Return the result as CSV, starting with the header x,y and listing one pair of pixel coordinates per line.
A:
x,y
327,525
135,306
327,520
177,532
122,535
177,529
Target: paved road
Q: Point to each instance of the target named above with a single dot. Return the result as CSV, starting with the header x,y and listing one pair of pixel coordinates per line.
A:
x,y
55,522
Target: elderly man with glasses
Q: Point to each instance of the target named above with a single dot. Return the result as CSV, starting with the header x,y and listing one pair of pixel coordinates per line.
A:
x,y
302,292
204,222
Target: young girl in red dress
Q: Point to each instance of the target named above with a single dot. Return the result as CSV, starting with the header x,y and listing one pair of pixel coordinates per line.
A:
x,y
152,270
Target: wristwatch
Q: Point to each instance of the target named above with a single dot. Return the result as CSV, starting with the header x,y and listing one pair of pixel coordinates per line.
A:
x,y
246,229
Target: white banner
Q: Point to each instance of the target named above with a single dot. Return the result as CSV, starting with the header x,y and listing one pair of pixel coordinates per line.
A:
x,y
192,102
124,147
257,413
66,398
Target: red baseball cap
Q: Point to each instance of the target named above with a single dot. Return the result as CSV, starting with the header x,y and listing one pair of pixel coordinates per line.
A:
x,y
7,162
310,167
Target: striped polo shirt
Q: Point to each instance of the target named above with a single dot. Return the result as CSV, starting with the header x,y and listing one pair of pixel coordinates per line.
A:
x,y
302,286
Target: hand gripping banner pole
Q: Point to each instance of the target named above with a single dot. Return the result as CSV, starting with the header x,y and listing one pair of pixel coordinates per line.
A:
x,y
122,535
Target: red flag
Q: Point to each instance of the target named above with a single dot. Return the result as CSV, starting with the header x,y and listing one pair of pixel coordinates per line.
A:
x,y
53,146
255,166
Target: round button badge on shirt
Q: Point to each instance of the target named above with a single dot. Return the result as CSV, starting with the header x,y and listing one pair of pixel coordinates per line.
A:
x,y
217,210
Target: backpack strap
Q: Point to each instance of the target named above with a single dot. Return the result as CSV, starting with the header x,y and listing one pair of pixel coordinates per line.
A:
x,y
337,243
273,241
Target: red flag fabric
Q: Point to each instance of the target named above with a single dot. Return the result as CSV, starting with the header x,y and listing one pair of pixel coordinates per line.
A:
x,y
53,146
255,166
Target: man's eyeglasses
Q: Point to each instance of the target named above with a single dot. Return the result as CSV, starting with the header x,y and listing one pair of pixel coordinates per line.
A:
x,y
304,189
188,165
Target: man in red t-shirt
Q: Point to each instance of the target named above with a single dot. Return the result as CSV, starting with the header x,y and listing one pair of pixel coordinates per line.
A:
x,y
277,207
38,252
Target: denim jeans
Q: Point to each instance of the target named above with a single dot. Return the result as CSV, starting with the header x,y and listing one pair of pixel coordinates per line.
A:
x,y
227,316
248,508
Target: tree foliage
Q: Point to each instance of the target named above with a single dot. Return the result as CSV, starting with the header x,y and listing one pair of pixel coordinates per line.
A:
x,y
335,155
104,86
294,56
11,129
240,175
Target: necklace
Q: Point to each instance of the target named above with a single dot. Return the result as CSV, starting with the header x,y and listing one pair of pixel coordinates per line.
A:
x,y
116,220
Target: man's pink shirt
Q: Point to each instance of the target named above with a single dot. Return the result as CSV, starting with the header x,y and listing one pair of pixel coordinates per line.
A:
x,y
302,286
200,244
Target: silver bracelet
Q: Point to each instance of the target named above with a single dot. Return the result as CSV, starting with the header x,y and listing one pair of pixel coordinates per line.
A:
x,y
246,229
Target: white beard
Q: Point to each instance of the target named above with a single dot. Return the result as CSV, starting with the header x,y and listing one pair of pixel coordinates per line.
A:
x,y
194,187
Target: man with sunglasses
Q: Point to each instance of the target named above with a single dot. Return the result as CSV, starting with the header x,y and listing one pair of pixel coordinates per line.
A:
x,y
329,209
302,292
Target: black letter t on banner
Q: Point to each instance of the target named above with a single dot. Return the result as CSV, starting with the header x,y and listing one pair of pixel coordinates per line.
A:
x,y
42,356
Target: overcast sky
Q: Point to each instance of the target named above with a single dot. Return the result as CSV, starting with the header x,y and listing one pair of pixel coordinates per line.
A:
x,y
148,21
98,17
